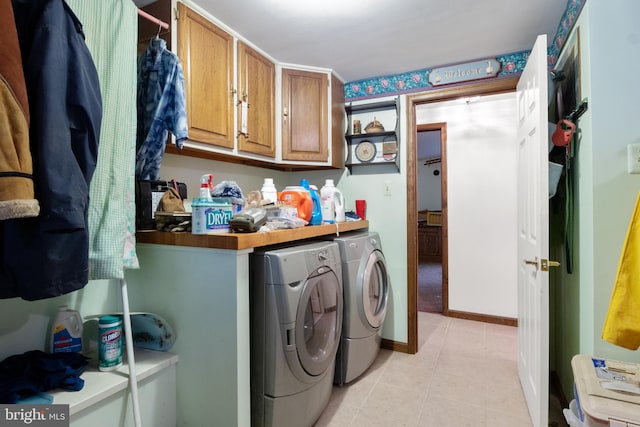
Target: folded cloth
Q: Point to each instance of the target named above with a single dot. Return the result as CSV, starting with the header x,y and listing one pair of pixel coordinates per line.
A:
x,y
30,373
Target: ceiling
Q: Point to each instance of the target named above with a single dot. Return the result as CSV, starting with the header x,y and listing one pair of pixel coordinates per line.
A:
x,y
360,39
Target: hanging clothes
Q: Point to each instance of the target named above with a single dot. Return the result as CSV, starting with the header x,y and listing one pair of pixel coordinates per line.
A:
x,y
622,323
17,199
48,256
111,28
161,107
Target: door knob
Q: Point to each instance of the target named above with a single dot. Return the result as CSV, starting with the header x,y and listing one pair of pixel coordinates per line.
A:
x,y
545,264
532,262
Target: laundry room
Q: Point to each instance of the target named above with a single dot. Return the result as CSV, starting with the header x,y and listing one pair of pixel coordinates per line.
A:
x,y
321,228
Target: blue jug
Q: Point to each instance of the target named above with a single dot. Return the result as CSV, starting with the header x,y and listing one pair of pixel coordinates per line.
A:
x,y
316,215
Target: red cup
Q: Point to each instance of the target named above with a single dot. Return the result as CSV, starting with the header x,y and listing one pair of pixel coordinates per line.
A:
x,y
361,208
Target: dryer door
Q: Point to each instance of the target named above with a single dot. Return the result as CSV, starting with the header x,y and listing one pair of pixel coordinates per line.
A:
x,y
374,284
319,321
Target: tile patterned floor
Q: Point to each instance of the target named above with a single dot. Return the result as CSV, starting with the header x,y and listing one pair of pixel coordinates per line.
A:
x,y
464,374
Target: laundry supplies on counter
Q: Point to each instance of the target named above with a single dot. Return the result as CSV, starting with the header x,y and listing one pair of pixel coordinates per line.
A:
x,y
331,203
299,198
316,213
212,214
268,191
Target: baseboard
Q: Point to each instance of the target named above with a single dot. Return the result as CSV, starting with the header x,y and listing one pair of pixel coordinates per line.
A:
x,y
395,346
507,321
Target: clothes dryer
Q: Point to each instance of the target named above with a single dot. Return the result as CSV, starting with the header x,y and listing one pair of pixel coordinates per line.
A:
x,y
366,282
296,319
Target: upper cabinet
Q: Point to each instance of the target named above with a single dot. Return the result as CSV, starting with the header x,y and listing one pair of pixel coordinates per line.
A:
x,y
206,53
338,123
305,115
257,102
244,107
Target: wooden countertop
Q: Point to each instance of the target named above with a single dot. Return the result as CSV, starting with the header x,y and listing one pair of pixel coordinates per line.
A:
x,y
238,241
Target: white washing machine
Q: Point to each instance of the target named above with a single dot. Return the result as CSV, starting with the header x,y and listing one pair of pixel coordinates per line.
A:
x,y
366,283
296,319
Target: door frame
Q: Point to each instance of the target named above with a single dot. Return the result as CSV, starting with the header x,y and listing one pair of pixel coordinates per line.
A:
x,y
442,127
437,95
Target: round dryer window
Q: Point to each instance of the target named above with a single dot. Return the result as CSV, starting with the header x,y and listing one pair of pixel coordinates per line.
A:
x,y
318,322
365,151
375,289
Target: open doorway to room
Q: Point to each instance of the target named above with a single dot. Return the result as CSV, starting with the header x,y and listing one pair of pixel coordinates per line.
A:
x,y
433,96
430,170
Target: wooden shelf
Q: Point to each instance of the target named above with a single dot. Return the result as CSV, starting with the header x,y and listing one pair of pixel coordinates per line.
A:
x,y
239,241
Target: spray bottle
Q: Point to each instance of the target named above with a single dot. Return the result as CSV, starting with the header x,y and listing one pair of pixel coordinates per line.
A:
x,y
200,205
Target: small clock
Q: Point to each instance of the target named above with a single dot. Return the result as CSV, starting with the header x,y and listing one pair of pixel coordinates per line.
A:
x,y
365,151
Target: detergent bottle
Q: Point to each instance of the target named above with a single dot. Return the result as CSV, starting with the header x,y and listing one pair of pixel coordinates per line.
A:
x,y
269,191
66,331
330,202
316,214
338,200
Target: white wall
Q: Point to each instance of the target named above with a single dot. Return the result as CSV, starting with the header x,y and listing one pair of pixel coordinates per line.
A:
x,y
481,195
429,186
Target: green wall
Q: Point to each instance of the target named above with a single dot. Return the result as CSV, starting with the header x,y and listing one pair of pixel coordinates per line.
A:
x,y
609,45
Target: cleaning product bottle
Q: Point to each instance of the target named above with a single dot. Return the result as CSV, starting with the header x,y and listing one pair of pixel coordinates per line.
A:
x,y
269,191
316,215
338,202
110,343
66,331
327,202
200,205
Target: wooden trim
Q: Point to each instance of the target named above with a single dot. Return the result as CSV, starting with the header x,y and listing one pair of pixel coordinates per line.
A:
x,y
439,95
498,320
235,159
442,127
239,241
395,346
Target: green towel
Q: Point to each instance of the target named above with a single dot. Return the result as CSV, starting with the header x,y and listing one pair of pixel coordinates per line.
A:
x,y
111,31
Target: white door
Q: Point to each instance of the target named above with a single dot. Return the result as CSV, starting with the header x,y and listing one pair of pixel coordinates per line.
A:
x,y
533,234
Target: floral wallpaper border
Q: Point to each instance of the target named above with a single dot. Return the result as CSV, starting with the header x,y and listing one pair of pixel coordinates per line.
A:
x,y
418,81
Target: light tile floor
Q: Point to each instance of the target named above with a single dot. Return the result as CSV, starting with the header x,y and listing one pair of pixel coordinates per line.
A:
x,y
464,374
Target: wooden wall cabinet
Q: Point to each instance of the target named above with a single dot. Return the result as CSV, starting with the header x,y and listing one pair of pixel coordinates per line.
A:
x,y
430,244
256,86
206,53
312,112
338,123
305,115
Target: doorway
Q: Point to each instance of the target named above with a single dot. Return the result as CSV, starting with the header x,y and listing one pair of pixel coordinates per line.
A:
x,y
451,93
431,170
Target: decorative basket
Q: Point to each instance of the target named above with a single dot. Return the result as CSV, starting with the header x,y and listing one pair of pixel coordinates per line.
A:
x,y
374,126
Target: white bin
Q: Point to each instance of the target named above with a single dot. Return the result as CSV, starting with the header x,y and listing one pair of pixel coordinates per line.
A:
x,y
572,416
596,410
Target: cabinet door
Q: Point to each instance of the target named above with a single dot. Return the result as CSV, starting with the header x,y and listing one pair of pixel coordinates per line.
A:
x,y
304,115
206,53
338,123
257,86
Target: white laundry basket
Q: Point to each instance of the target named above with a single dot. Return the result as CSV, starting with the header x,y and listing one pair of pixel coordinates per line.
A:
x,y
571,415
